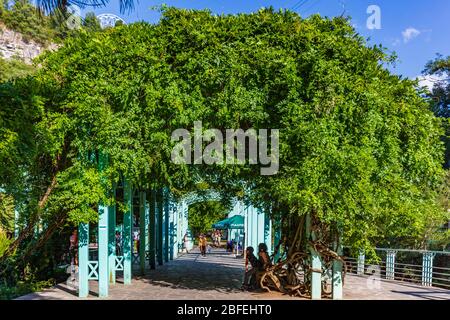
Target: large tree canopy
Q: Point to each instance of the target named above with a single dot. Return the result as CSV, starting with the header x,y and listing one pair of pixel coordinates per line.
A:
x,y
358,145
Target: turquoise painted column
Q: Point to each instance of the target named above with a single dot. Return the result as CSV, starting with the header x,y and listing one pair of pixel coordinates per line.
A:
x,y
160,224
361,262
112,240
316,264
178,213
16,223
268,233
83,259
316,276
249,228
277,238
165,199
261,226
143,221
256,227
181,231
390,264
103,251
152,231
172,231
103,236
245,244
147,222
427,269
127,230
337,270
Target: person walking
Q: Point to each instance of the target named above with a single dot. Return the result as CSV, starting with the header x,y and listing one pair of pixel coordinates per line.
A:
x,y
186,242
118,243
73,248
218,238
202,244
214,238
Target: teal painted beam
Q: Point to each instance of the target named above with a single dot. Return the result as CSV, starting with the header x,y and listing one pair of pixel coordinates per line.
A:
x,y
165,200
180,233
316,276
268,232
143,231
249,228
147,221
185,220
152,230
427,268
112,240
277,238
16,223
103,269
261,226
127,231
316,263
361,263
337,280
245,242
390,264
160,227
172,231
83,259
255,236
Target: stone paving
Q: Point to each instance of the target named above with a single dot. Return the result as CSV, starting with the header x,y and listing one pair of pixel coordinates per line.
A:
x,y
219,276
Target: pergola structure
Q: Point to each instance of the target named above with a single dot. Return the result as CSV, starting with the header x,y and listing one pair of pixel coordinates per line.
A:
x,y
163,221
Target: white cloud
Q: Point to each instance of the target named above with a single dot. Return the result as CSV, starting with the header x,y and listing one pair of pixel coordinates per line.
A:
x,y
409,34
396,42
429,80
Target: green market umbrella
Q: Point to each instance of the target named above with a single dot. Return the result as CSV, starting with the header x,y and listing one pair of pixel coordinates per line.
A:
x,y
234,222
223,224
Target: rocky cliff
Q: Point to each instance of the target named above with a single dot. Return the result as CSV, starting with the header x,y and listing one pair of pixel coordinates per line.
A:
x,y
13,43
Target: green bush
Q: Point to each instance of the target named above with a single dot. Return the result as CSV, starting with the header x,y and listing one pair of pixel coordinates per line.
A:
x,y
24,18
4,241
14,68
23,288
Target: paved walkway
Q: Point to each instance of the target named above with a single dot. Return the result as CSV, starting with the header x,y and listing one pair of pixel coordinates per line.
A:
x,y
219,276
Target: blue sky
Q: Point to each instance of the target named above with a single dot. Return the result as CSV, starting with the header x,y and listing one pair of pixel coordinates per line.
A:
x,y
416,29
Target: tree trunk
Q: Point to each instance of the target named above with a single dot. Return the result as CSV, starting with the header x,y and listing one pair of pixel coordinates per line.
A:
x,y
32,223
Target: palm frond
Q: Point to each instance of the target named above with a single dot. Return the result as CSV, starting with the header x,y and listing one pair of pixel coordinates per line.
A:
x,y
48,6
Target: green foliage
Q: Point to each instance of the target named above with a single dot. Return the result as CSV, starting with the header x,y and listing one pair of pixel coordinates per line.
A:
x,y
24,18
6,213
14,68
23,288
4,240
203,214
440,95
358,146
91,22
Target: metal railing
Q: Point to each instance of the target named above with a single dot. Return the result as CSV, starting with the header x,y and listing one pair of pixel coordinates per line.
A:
x,y
423,267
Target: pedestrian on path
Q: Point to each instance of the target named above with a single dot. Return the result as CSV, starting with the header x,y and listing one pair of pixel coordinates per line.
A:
x,y
202,244
73,248
186,242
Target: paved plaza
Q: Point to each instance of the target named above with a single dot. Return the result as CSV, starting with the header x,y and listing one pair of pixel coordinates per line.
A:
x,y
219,276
